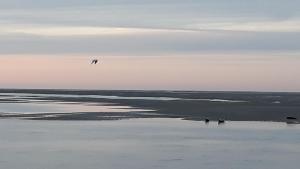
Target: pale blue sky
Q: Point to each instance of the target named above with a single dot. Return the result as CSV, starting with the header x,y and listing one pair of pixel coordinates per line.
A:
x,y
189,26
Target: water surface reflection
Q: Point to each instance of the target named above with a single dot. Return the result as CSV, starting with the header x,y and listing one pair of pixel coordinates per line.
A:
x,y
147,143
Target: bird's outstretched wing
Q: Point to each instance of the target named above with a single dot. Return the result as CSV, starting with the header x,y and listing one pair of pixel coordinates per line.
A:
x,y
95,61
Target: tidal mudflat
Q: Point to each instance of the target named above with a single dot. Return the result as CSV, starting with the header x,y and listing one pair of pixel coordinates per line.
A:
x,y
108,104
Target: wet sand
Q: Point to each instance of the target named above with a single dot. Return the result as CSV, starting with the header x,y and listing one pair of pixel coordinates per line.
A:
x,y
189,105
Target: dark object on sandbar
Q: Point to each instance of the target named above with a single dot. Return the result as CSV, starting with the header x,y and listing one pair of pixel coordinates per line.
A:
x,y
221,121
206,120
291,120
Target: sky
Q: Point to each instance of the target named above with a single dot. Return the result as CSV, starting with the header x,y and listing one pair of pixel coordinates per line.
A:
x,y
151,44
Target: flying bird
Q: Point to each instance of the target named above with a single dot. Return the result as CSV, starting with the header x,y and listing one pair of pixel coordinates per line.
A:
x,y
94,61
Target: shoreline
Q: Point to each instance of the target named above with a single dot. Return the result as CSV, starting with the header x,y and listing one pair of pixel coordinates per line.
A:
x,y
186,105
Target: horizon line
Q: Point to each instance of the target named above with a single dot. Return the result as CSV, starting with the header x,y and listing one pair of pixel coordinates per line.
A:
x,y
149,90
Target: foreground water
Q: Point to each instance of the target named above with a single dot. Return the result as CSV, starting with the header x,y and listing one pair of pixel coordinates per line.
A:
x,y
147,143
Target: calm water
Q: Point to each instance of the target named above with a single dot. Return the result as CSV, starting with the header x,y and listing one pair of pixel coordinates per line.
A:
x,y
146,144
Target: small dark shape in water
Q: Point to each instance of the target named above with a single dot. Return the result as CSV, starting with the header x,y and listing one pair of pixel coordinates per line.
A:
x,y
291,120
206,120
221,121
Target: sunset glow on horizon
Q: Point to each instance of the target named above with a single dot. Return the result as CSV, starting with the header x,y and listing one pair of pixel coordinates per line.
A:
x,y
213,72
